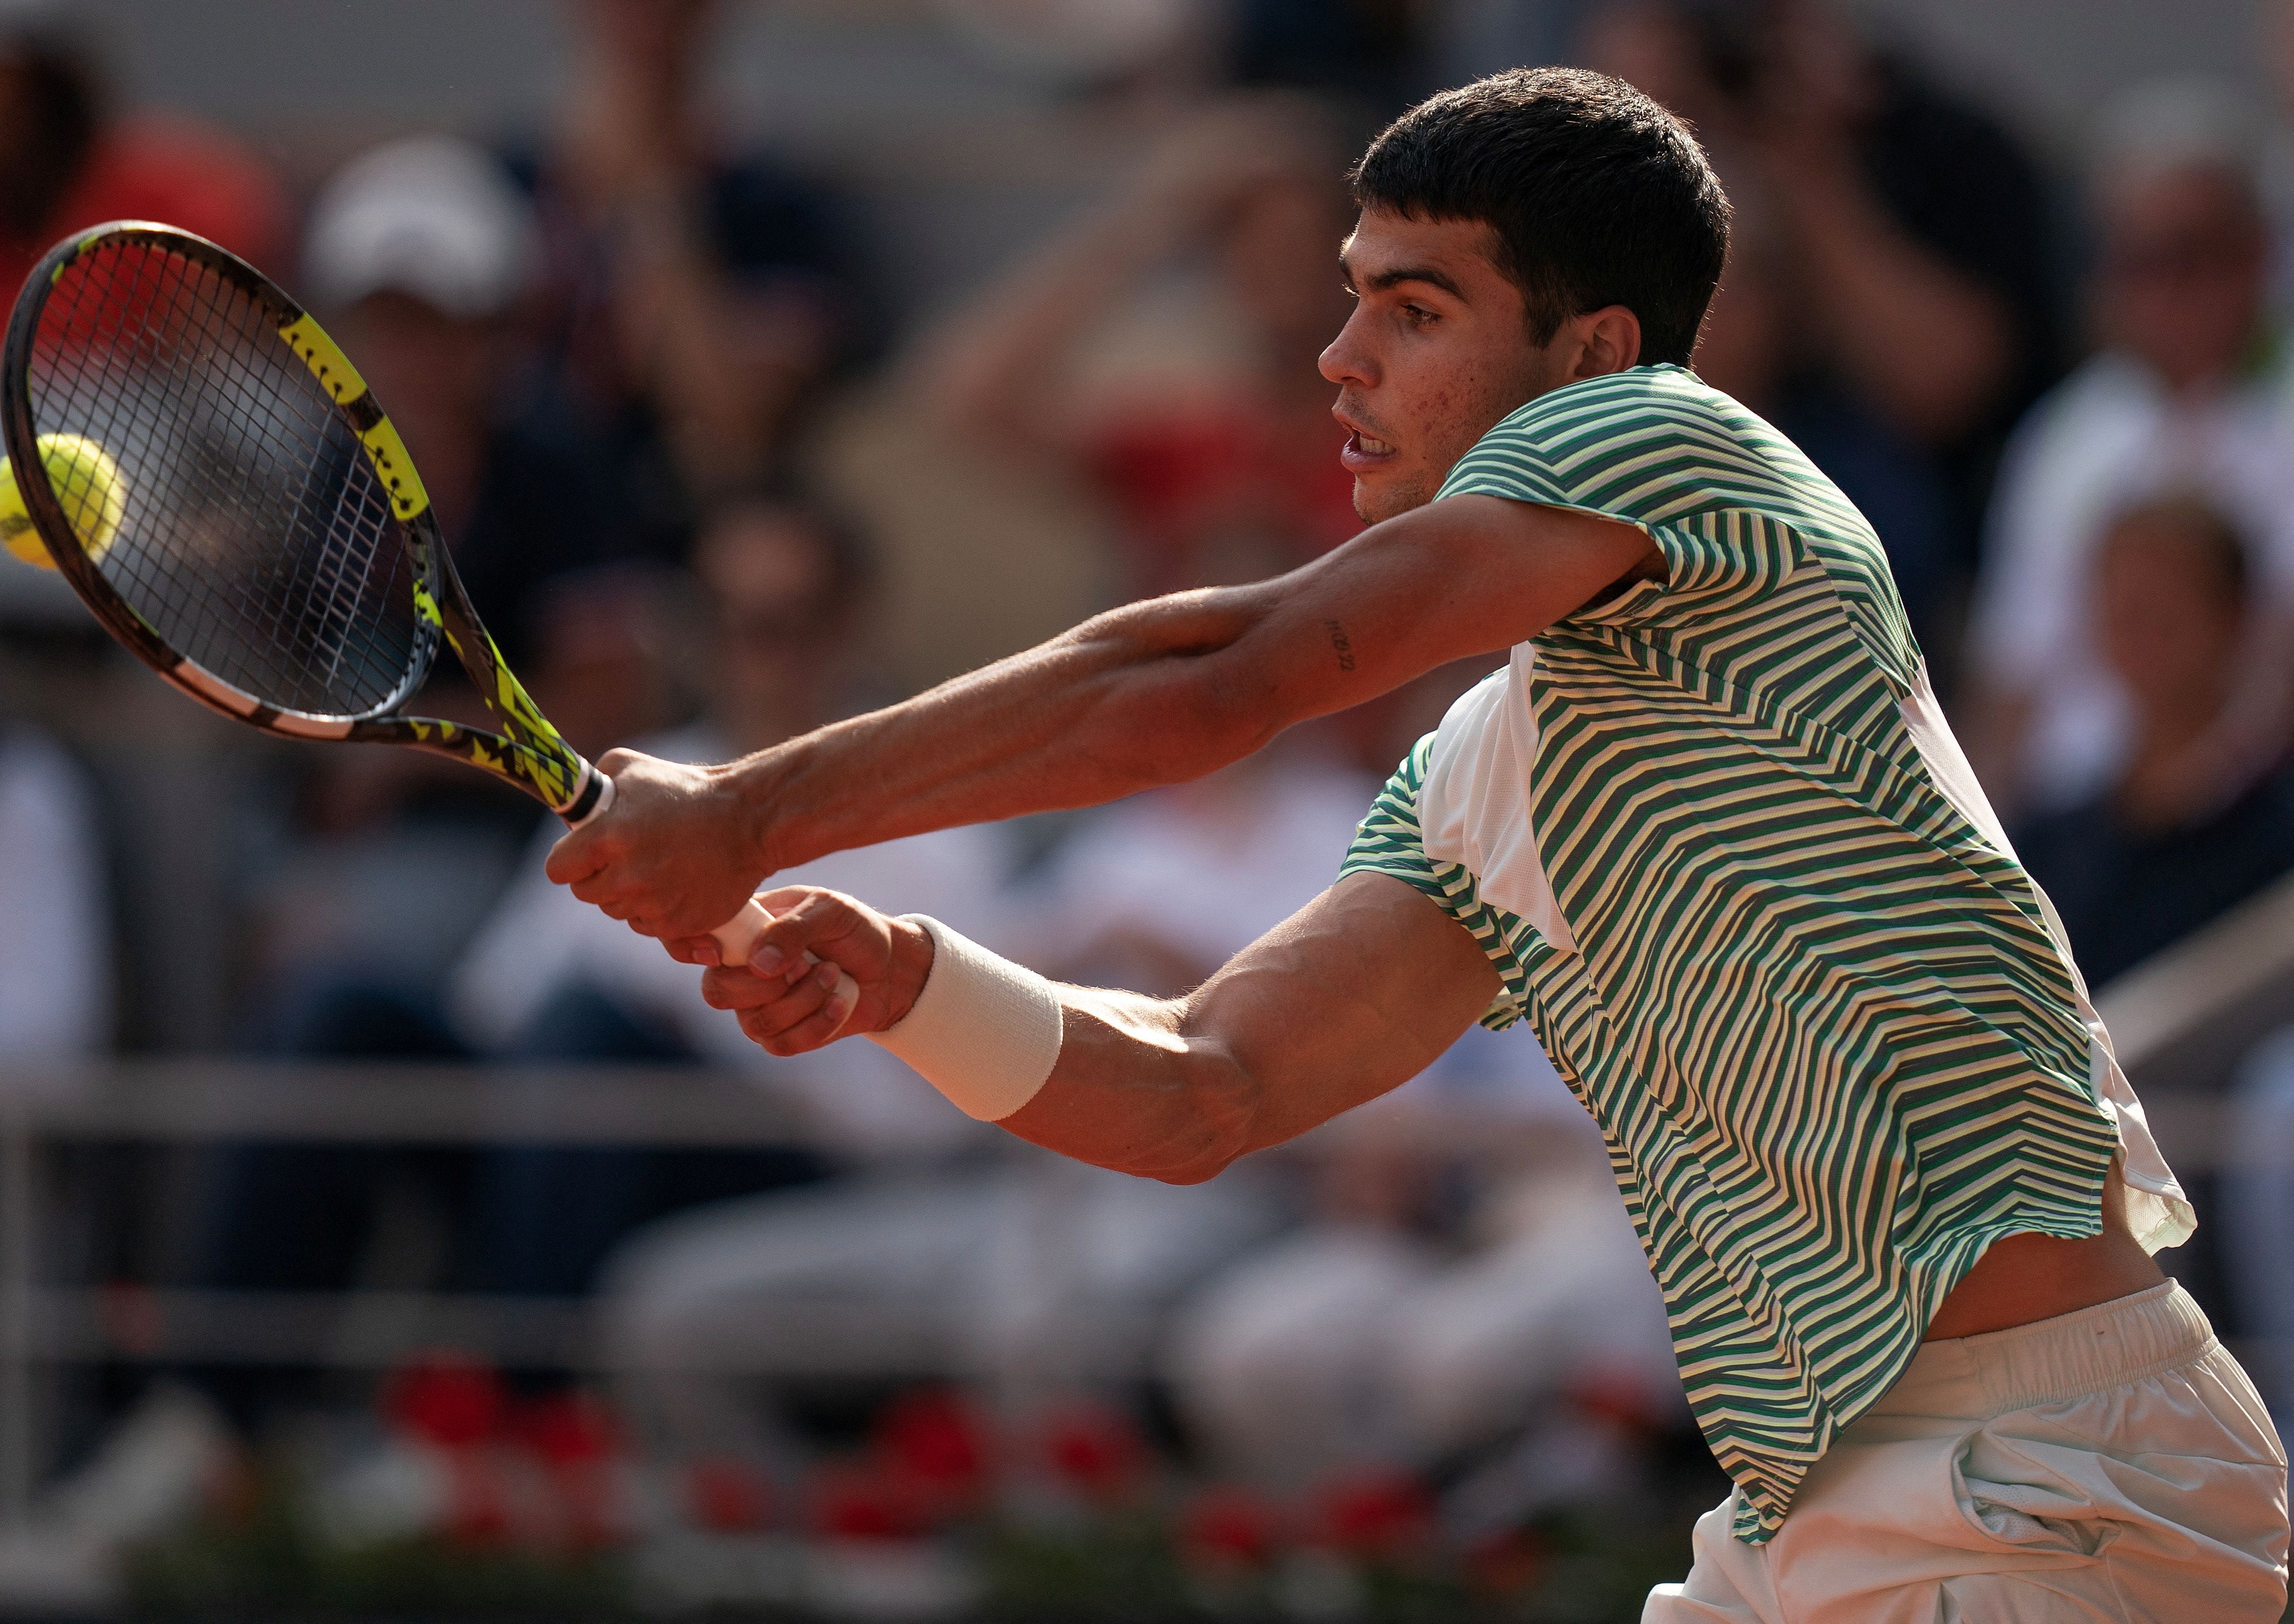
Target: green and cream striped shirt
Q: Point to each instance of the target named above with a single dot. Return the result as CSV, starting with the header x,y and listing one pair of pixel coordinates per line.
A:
x,y
1732,869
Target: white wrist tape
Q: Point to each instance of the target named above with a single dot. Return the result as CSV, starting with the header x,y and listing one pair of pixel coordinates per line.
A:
x,y
985,1032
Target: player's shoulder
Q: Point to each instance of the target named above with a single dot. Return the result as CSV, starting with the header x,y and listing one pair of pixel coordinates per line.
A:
x,y
1652,444
1598,419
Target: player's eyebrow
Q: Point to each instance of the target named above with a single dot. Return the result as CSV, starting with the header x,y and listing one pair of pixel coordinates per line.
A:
x,y
1380,281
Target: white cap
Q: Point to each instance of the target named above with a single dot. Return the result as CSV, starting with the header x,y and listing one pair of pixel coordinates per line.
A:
x,y
431,215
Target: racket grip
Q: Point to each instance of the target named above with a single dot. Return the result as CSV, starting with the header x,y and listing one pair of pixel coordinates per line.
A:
x,y
598,807
737,938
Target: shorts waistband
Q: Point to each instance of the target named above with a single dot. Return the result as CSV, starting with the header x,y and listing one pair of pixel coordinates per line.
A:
x,y
2129,1339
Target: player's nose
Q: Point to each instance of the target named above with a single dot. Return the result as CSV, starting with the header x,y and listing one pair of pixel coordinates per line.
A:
x,y
1347,361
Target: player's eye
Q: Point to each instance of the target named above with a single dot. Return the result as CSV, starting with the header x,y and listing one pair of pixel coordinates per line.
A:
x,y
1417,315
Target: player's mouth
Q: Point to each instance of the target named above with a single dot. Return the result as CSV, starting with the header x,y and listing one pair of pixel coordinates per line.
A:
x,y
1364,453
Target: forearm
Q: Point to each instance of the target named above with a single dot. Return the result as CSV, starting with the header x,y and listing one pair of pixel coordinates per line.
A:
x,y
1137,1091
1349,998
1356,992
690,337
1152,694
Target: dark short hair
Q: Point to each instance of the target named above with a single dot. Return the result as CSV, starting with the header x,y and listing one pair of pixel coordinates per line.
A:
x,y
1596,194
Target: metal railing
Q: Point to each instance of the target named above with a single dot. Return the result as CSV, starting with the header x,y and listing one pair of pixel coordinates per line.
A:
x,y
184,1102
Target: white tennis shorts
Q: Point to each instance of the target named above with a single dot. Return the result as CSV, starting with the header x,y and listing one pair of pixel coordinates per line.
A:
x,y
2110,1465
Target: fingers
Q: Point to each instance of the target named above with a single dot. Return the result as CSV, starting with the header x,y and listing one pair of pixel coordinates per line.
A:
x,y
792,1017
826,924
737,988
574,859
580,854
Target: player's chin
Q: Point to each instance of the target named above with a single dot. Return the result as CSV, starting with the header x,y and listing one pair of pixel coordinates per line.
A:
x,y
1387,493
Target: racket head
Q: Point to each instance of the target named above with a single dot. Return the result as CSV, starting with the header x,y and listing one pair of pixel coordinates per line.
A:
x,y
273,554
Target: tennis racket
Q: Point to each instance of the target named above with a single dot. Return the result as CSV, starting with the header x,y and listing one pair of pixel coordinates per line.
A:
x,y
265,544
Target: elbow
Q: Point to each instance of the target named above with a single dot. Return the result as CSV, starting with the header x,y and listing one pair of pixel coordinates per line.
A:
x,y
1221,724
1204,1162
1200,1168
1188,701
1222,1119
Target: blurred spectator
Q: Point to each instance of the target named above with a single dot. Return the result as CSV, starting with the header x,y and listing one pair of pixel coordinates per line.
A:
x,y
423,259
1380,1335
1156,892
698,295
2276,29
2256,1184
55,955
419,257
1914,227
1747,351
2169,844
2188,390
786,592
1233,475
68,161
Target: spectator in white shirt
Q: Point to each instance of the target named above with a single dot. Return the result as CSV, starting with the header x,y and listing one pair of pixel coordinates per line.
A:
x,y
55,955
785,588
2188,389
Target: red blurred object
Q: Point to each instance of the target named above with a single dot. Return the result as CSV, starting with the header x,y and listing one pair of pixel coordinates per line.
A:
x,y
575,1439
1096,1449
729,1496
935,1435
866,1500
1375,1514
1629,1401
478,1510
170,169
1225,1526
444,1398
1509,1563
568,1429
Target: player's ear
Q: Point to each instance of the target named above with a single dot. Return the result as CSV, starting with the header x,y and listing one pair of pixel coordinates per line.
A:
x,y
1608,339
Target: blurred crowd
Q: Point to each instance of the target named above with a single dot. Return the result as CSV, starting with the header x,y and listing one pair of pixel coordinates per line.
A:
x,y
687,447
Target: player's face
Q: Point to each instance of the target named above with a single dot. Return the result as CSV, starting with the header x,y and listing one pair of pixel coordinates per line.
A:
x,y
1437,349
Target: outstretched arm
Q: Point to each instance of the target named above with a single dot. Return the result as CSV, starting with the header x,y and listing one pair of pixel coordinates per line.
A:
x,y
1152,694
1353,996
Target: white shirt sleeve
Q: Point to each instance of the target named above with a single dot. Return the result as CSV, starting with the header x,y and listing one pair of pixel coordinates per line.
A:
x,y
56,953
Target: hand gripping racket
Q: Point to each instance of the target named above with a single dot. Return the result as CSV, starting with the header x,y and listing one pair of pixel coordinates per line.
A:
x,y
260,538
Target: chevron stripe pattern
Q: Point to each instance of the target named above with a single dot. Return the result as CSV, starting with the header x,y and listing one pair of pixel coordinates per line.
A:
x,y
1833,1049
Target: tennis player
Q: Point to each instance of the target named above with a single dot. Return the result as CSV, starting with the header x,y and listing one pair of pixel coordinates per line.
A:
x,y
1707,833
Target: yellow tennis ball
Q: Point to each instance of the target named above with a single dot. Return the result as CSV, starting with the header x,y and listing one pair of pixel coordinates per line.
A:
x,y
86,483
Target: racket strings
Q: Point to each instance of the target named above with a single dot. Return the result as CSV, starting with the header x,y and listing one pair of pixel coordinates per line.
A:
x,y
255,537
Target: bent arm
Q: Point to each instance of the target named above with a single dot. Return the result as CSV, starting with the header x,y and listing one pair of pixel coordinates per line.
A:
x,y
1152,694
1355,995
